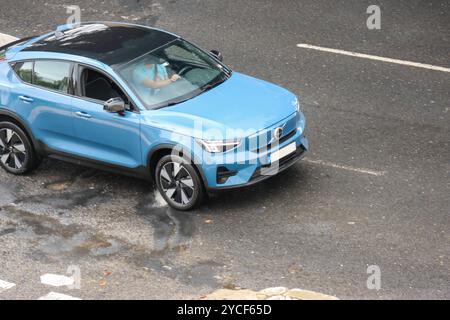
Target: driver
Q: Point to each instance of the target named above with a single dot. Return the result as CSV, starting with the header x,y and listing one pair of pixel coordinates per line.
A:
x,y
150,73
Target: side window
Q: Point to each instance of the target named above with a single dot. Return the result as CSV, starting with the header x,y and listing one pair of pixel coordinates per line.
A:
x,y
95,85
25,71
52,75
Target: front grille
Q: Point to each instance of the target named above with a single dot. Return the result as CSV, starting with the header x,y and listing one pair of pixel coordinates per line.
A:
x,y
283,139
259,142
286,137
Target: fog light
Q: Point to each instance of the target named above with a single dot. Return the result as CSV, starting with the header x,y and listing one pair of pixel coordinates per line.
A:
x,y
223,174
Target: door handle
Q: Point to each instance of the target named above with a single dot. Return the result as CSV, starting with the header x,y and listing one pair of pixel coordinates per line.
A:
x,y
83,114
26,99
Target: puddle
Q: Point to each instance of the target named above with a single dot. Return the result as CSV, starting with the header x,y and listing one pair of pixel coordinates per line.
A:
x,y
172,229
51,239
200,274
77,176
80,244
67,200
112,247
6,231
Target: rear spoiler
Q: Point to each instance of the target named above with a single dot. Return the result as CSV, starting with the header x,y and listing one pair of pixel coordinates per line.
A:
x,y
5,48
11,44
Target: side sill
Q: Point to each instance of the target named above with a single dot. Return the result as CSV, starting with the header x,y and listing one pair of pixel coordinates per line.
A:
x,y
139,172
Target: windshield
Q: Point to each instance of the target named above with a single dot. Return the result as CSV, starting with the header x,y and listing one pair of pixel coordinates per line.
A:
x,y
173,73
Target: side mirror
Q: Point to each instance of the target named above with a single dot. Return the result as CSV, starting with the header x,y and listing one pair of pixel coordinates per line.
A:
x,y
217,54
114,105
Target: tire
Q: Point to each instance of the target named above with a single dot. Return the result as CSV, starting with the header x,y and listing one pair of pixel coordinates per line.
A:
x,y
179,183
17,155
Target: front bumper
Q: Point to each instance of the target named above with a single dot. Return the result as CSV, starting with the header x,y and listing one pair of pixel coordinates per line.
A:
x,y
265,172
235,174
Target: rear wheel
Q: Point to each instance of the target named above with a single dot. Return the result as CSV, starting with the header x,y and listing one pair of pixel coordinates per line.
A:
x,y
179,183
17,155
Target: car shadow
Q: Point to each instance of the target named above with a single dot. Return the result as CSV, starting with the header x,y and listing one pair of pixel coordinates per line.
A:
x,y
265,193
296,179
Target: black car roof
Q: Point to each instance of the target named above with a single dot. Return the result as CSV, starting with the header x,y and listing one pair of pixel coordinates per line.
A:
x,y
110,43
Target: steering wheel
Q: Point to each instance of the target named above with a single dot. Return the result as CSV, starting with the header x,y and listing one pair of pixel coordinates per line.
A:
x,y
185,70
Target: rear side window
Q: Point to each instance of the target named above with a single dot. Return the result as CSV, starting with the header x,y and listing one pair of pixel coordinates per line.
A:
x,y
25,71
52,75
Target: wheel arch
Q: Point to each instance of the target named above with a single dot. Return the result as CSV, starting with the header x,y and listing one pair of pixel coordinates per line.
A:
x,y
17,120
165,149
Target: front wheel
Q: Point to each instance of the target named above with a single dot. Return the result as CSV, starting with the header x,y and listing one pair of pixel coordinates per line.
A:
x,y
179,183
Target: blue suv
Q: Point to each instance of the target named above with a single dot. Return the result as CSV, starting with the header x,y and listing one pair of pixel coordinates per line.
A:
x,y
147,103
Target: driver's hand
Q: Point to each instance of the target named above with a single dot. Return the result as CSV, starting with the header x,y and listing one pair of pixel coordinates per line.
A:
x,y
175,77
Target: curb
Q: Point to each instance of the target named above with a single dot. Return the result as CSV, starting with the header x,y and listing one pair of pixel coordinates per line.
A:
x,y
5,39
276,293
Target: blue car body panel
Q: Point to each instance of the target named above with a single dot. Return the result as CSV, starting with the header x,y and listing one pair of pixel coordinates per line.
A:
x,y
107,137
229,107
249,108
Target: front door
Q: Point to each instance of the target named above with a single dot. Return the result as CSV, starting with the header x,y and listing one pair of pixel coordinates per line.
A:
x,y
108,137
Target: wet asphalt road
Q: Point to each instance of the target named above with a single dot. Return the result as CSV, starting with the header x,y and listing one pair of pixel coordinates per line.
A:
x,y
317,226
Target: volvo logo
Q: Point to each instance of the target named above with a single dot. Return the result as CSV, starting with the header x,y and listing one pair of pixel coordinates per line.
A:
x,y
277,133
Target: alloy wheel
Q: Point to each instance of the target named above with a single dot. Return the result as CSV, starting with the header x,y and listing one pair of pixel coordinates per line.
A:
x,y
13,153
177,183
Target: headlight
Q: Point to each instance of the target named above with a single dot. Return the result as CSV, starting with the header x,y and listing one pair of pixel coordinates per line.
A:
x,y
215,146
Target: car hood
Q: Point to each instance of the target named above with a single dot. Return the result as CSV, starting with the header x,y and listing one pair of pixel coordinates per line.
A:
x,y
238,107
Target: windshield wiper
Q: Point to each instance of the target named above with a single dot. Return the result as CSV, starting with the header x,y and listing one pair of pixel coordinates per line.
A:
x,y
226,71
209,86
170,104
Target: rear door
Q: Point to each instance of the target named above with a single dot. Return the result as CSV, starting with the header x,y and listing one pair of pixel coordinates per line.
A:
x,y
42,97
108,137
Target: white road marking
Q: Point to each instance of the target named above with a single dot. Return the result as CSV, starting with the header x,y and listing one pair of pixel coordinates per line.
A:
x,y
371,57
56,280
5,39
5,285
344,167
57,296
